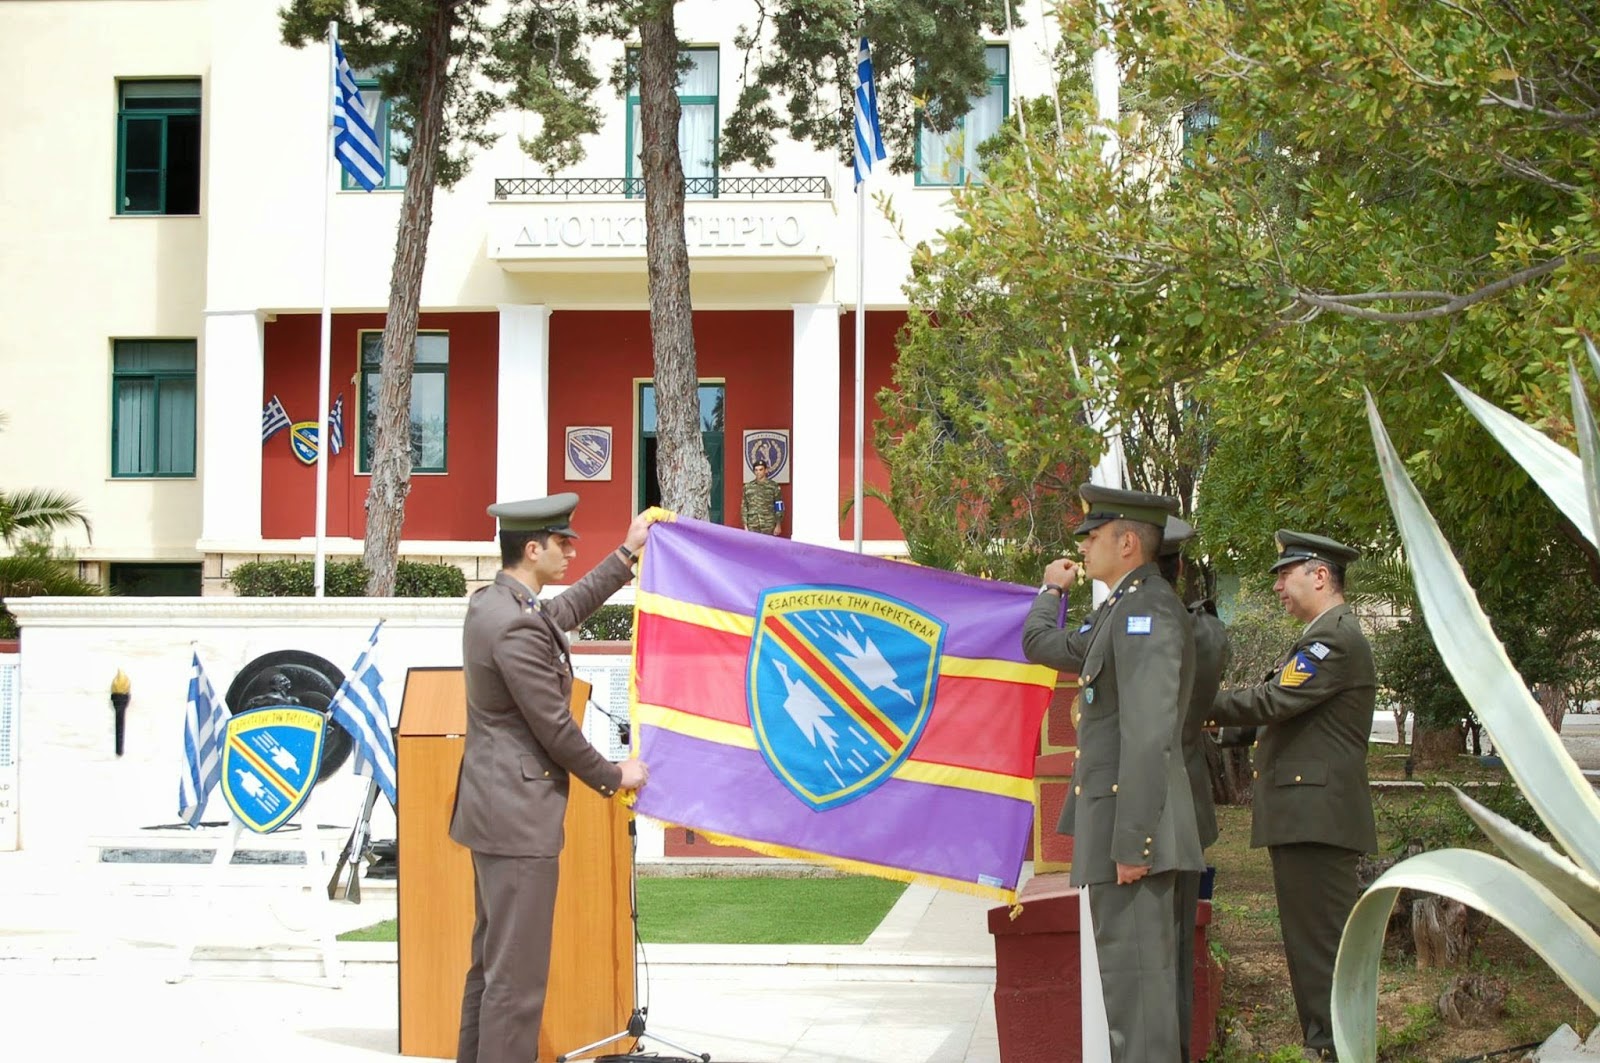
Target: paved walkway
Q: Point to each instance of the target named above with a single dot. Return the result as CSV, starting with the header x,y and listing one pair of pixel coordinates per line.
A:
x,y
86,951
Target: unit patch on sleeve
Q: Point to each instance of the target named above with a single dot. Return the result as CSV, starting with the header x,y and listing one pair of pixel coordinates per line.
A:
x,y
1297,672
1138,625
1317,650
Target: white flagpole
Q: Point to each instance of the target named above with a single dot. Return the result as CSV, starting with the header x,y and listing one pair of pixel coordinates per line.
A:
x,y
319,566
1110,470
861,352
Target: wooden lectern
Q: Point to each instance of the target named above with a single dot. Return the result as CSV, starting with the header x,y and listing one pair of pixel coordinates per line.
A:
x,y
591,957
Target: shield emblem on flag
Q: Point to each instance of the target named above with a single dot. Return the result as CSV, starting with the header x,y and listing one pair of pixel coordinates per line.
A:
x,y
840,684
269,763
303,441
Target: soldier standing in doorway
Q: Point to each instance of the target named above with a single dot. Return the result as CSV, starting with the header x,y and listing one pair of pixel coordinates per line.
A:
x,y
762,498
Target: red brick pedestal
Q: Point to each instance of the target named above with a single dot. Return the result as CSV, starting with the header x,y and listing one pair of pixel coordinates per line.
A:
x,y
1038,983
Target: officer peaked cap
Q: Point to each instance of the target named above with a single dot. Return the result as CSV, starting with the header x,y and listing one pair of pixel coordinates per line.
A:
x,y
1294,547
1102,505
552,514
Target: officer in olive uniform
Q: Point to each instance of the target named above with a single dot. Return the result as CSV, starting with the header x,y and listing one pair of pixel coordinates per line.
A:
x,y
1211,655
1129,811
1313,810
522,746
759,508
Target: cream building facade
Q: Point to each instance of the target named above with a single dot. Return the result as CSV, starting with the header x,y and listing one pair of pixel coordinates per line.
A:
x,y
160,271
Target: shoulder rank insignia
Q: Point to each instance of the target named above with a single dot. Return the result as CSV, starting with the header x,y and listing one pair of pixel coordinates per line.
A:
x,y
1138,625
1317,650
1299,669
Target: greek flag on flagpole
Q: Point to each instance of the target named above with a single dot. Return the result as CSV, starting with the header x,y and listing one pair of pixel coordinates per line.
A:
x,y
869,138
273,419
359,708
355,142
203,727
336,426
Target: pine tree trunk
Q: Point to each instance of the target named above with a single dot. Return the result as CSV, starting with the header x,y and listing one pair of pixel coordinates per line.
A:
x,y
1552,698
681,465
391,444
1436,747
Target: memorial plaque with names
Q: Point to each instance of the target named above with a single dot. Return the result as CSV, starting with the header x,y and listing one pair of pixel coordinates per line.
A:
x,y
608,674
10,710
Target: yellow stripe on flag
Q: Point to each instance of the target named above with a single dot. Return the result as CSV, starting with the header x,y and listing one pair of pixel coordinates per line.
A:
x,y
730,734
739,624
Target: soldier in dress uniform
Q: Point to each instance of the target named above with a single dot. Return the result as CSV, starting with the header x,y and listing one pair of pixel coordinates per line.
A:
x,y
522,746
1211,655
1312,807
759,507
1129,810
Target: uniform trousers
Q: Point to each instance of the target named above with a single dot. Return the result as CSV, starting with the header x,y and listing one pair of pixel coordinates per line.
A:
x,y
502,1003
1186,903
1316,888
1136,941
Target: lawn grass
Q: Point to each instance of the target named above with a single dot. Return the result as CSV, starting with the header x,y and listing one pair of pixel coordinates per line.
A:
x,y
831,910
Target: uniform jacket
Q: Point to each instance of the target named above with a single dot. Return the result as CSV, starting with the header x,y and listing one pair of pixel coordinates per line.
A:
x,y
756,510
1211,655
1130,801
522,742
1311,760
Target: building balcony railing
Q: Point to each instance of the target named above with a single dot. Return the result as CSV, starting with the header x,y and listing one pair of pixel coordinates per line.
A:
x,y
633,187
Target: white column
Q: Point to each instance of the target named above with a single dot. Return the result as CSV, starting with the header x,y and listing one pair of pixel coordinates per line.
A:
x,y
522,452
232,375
814,438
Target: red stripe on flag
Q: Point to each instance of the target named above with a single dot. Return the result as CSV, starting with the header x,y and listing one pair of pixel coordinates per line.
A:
x,y
864,711
983,724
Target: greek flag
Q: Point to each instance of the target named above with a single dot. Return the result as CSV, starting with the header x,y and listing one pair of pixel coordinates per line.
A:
x,y
355,142
336,426
273,419
359,708
203,726
869,138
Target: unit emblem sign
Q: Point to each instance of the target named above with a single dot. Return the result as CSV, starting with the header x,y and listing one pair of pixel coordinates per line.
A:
x,y
269,763
589,453
840,685
770,445
303,441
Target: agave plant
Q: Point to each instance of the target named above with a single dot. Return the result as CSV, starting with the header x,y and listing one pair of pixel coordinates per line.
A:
x,y
1550,900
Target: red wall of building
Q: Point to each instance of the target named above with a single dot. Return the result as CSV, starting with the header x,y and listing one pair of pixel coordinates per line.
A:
x,y
883,326
595,357
447,506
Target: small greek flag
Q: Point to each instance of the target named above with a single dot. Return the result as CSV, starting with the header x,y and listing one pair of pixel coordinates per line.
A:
x,y
273,419
355,142
336,426
359,708
869,138
203,725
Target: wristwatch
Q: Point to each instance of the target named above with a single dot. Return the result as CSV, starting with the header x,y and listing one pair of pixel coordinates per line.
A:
x,y
627,555
1058,588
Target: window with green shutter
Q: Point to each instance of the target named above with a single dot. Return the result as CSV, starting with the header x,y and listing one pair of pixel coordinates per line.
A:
x,y
158,147
153,408
430,390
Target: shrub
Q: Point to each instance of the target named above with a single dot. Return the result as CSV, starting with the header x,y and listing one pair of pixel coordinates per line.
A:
x,y
344,579
610,623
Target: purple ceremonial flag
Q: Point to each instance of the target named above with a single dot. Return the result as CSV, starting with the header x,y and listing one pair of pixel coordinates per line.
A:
x,y
869,714
746,564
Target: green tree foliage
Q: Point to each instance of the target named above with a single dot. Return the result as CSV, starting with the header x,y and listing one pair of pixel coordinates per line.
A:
x,y
448,66
345,579
1310,198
